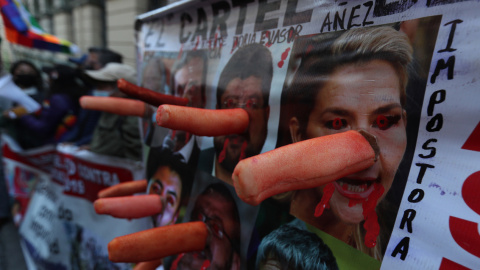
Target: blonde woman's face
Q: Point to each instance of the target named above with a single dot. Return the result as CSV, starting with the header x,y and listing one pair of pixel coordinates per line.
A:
x,y
362,97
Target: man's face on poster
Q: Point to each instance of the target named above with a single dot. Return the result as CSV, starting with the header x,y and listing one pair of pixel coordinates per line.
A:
x,y
152,76
168,185
220,253
247,94
188,82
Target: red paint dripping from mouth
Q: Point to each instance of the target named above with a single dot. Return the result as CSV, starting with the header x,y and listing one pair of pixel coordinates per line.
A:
x,y
323,204
371,220
223,154
176,261
243,153
205,264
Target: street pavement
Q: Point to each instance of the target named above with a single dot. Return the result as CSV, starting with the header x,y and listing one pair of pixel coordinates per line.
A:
x,y
11,256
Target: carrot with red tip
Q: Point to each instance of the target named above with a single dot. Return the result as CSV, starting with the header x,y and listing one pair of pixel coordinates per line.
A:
x,y
124,189
303,165
160,242
203,122
116,105
149,96
129,206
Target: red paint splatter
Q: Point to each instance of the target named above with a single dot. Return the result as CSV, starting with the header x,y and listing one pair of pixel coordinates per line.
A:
x,y
268,44
176,261
180,52
235,44
196,44
323,204
382,121
216,38
370,215
285,54
223,154
242,151
290,33
353,202
309,49
205,264
284,57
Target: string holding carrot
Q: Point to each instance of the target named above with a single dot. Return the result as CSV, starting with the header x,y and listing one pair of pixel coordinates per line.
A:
x,y
124,189
129,206
116,105
160,242
203,122
149,96
303,165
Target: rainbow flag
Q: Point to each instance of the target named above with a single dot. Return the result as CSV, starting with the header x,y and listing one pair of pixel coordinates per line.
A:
x,y
21,28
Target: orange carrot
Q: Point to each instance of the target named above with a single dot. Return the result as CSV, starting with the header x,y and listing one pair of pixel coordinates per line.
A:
x,y
129,206
159,242
203,122
302,165
124,189
150,265
149,96
121,106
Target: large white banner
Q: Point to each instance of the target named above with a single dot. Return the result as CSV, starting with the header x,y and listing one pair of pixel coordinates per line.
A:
x,y
428,173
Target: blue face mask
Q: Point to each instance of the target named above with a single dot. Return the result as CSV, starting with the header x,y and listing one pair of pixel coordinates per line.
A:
x,y
101,93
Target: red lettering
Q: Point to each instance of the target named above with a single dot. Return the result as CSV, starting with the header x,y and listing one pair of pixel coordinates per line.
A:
x,y
465,233
450,265
470,190
473,141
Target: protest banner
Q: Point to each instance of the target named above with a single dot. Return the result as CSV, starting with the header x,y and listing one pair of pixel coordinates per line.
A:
x,y
404,71
61,229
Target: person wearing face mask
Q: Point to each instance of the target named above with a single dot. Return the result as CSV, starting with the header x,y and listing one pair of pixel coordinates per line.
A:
x,y
59,110
21,91
26,76
115,135
96,59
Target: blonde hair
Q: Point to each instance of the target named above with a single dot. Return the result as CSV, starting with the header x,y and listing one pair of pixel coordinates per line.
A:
x,y
352,47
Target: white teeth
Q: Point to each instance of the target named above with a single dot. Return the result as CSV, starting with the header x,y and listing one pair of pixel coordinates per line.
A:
x,y
352,188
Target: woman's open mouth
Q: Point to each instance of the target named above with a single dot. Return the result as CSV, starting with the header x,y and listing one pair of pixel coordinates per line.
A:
x,y
355,188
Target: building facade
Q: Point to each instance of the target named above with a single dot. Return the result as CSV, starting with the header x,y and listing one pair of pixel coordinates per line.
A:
x,y
87,23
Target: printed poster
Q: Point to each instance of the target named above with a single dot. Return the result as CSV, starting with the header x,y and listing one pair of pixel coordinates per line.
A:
x,y
402,71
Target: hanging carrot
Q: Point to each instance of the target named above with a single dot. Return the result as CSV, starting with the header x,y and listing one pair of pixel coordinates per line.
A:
x,y
159,242
129,206
124,189
116,105
149,96
203,122
302,165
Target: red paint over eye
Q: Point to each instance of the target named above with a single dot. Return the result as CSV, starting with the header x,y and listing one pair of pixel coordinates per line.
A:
x,y
230,103
249,104
337,123
382,122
